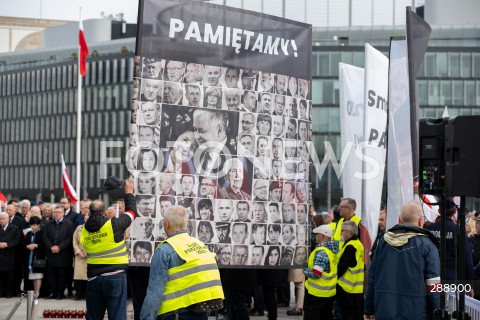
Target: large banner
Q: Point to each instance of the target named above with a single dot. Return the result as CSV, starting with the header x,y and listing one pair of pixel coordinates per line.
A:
x,y
400,167
375,130
221,124
352,92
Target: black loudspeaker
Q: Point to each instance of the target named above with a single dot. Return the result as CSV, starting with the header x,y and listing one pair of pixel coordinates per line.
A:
x,y
432,153
462,156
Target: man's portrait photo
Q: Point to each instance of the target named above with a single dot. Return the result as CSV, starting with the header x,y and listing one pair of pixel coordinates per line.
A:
x,y
152,90
153,68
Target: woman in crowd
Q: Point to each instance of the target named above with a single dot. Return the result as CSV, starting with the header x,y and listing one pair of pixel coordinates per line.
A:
x,y
34,250
80,264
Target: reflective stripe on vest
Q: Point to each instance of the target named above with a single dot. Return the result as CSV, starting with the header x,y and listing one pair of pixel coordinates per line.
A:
x,y
325,286
352,280
337,235
197,280
101,246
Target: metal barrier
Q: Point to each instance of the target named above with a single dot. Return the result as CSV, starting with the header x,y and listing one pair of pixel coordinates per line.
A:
x,y
472,306
32,306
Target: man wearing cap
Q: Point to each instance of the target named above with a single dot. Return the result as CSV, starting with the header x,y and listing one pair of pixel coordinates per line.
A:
x,y
223,232
183,274
107,258
275,191
347,212
153,68
321,273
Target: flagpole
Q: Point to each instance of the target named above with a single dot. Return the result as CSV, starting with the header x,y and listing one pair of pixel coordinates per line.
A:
x,y
79,128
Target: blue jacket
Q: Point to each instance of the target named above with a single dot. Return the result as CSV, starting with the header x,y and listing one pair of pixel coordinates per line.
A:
x,y
405,258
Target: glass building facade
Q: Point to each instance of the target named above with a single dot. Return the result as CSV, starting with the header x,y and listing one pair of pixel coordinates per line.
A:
x,y
38,123
38,105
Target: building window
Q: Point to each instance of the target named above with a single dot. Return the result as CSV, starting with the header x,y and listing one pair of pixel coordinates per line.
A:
x,y
466,64
470,93
442,64
458,97
454,61
446,96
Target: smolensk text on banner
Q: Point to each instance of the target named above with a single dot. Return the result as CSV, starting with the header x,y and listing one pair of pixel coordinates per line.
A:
x,y
352,81
221,124
374,147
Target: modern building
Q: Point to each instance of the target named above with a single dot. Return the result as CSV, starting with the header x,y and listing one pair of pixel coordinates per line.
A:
x,y
38,102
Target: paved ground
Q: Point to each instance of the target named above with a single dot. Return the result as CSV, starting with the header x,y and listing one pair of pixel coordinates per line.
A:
x,y
6,306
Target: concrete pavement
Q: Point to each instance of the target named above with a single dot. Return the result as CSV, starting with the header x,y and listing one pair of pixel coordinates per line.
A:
x,y
6,306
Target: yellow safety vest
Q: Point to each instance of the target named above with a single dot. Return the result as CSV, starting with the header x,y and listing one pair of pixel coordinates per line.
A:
x,y
101,247
325,286
197,280
333,226
337,234
352,280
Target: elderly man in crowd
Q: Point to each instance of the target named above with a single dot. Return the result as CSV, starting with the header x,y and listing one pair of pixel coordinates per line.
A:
x,y
182,255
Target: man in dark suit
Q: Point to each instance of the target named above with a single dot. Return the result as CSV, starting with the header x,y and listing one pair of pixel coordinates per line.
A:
x,y
57,240
71,216
235,176
21,224
9,239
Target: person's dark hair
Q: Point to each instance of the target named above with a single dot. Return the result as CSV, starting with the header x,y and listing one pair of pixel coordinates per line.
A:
x,y
255,226
34,220
167,198
274,204
207,225
12,201
206,203
274,227
243,202
318,220
188,175
143,245
140,158
270,250
336,213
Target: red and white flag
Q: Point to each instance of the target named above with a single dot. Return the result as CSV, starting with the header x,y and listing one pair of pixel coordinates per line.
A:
x,y
67,185
82,59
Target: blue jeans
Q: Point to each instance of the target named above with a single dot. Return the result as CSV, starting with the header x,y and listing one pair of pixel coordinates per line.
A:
x,y
189,315
107,293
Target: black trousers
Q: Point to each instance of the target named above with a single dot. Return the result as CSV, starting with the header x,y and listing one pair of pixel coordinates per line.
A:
x,y
138,277
6,283
237,300
270,302
351,304
317,308
57,277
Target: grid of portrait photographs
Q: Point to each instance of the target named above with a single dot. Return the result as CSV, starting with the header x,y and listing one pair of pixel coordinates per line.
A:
x,y
231,146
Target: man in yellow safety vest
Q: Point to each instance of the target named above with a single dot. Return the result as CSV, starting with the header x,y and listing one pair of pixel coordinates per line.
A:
x,y
184,277
350,273
321,273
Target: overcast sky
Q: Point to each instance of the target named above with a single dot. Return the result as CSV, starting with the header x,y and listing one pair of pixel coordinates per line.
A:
x,y
68,9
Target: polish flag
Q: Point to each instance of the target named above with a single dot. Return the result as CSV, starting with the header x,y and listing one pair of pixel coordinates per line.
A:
x,y
67,185
3,201
82,59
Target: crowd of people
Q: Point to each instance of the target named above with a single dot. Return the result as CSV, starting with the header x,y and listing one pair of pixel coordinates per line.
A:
x,y
47,248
